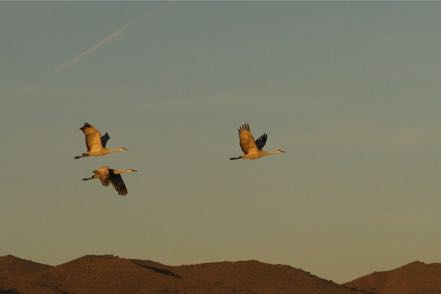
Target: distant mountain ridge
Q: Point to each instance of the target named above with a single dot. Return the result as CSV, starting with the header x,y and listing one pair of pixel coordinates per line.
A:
x,y
109,274
414,278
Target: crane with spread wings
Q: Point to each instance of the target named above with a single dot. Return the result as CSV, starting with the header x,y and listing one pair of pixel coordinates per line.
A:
x,y
111,176
253,149
95,143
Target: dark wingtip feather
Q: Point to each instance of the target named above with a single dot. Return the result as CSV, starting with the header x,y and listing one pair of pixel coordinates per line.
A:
x,y
85,126
245,127
105,139
261,141
122,190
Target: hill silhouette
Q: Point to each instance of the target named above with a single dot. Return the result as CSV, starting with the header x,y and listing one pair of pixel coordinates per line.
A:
x,y
109,274
14,271
413,278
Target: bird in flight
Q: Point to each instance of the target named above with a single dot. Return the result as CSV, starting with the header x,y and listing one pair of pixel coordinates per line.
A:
x,y
95,143
251,148
113,176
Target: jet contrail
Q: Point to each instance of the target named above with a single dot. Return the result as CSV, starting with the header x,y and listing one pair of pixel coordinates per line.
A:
x,y
109,38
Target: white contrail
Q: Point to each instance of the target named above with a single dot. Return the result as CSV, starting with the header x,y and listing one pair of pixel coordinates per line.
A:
x,y
109,38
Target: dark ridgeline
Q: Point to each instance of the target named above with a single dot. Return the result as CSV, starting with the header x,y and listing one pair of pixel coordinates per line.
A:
x,y
108,274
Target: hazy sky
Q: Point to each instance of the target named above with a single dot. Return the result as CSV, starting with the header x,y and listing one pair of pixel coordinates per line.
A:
x,y
351,90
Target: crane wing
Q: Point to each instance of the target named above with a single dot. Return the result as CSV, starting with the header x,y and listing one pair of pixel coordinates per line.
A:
x,y
260,142
105,139
117,183
93,138
103,175
246,139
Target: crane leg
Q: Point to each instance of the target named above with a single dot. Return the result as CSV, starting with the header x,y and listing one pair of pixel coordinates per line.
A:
x,y
81,156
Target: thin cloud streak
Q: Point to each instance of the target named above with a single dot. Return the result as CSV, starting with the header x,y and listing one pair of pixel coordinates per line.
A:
x,y
108,39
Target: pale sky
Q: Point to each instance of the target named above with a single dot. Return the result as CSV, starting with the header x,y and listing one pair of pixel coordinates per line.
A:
x,y
351,91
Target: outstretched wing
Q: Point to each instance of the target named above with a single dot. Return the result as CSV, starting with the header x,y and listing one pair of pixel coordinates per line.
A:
x,y
246,139
260,142
103,175
93,138
117,183
105,139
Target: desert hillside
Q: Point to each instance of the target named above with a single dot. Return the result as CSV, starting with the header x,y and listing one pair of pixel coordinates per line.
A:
x,y
413,278
15,271
108,274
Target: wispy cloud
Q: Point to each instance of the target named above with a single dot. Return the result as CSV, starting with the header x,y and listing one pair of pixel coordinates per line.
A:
x,y
67,65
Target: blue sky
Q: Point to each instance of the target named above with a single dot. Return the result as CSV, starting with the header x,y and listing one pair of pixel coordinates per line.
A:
x,y
349,89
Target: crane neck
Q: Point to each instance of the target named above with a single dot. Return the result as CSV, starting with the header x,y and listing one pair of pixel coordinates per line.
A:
x,y
115,149
123,171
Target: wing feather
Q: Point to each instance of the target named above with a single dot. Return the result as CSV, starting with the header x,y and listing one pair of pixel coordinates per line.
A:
x,y
93,138
105,139
260,142
103,175
117,183
246,139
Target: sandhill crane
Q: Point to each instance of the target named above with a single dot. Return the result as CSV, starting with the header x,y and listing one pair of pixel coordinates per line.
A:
x,y
95,143
251,148
113,176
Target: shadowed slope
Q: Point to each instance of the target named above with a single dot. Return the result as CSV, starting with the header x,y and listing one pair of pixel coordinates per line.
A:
x,y
15,273
413,278
109,274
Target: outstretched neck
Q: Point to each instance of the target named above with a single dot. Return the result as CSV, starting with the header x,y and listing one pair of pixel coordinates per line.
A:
x,y
116,149
124,171
276,151
272,152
